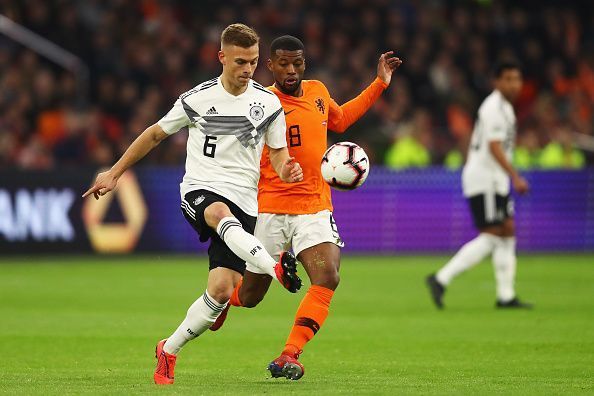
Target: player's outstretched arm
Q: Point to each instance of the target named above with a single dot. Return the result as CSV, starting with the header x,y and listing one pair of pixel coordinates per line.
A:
x,y
141,146
342,117
518,182
285,166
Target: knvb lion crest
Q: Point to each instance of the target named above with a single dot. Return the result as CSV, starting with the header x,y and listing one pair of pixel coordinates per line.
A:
x,y
320,105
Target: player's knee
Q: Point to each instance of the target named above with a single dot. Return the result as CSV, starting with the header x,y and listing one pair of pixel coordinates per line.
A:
x,y
220,292
509,228
215,212
329,278
496,230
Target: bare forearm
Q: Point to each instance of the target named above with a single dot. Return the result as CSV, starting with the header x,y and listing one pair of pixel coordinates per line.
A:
x,y
285,166
499,156
277,158
141,146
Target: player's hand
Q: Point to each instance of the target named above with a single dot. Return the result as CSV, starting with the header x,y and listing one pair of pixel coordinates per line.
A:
x,y
520,184
386,66
291,171
104,183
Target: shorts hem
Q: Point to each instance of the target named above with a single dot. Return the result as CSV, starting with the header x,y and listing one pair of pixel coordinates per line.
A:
x,y
213,265
310,245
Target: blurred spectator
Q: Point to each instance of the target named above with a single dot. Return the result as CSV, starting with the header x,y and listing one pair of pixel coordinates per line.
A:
x,y
454,159
560,153
143,54
528,150
410,148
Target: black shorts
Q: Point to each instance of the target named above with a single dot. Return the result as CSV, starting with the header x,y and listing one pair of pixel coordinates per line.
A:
x,y
490,209
219,254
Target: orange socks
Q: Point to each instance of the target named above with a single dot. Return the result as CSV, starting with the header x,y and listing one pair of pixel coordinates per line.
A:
x,y
234,300
311,314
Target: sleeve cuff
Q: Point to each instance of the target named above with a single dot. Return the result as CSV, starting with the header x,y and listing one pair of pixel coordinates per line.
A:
x,y
379,81
165,127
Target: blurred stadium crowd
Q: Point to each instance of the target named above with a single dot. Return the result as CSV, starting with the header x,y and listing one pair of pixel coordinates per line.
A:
x,y
143,54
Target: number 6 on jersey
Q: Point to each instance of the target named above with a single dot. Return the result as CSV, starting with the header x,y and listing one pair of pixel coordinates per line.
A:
x,y
209,148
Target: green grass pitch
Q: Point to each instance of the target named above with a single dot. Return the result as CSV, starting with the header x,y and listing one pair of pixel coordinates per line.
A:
x,y
89,325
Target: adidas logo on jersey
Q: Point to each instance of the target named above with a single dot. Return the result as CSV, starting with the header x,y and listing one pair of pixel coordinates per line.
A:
x,y
212,111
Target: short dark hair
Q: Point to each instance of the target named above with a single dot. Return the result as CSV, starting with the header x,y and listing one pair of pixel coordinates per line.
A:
x,y
504,66
240,35
288,43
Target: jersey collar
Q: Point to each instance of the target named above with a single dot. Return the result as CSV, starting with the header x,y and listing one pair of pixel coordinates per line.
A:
x,y
230,95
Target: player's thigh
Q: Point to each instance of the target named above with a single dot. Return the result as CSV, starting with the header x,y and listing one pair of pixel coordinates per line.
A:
x,y
200,207
221,256
486,212
215,212
322,264
194,205
221,282
509,227
313,229
317,244
272,230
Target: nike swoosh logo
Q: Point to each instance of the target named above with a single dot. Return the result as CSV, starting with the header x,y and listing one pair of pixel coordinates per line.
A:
x,y
289,112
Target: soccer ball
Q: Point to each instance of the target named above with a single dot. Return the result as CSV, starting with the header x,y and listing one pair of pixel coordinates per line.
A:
x,y
345,166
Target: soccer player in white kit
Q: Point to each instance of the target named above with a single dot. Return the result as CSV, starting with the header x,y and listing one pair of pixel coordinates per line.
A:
x,y
230,118
486,184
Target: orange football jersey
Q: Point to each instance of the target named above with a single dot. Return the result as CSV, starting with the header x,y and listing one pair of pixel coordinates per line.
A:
x,y
308,119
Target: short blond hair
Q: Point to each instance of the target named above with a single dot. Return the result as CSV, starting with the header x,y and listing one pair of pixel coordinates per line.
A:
x,y
240,35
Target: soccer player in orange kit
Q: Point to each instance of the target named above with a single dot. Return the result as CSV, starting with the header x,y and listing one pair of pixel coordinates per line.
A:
x,y
299,215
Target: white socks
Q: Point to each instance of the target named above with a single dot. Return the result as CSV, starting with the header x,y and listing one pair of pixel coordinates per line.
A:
x,y
469,255
246,246
201,315
504,264
205,310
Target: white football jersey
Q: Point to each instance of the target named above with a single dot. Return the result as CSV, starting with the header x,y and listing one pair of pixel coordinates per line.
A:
x,y
226,136
496,122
